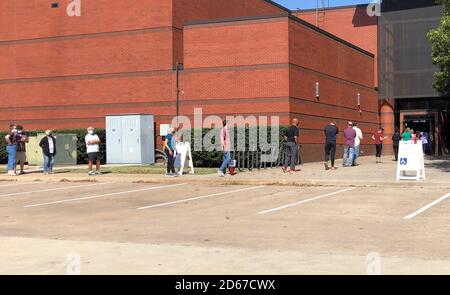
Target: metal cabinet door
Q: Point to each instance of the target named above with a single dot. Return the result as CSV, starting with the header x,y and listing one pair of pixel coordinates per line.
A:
x,y
131,140
114,140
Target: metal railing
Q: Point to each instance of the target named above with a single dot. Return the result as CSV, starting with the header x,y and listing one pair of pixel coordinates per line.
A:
x,y
252,160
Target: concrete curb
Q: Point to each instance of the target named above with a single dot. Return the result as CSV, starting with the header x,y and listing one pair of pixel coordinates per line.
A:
x,y
223,181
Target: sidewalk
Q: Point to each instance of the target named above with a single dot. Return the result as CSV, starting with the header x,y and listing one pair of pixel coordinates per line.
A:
x,y
368,174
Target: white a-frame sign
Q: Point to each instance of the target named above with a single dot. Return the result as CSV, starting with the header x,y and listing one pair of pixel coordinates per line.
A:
x,y
184,150
410,160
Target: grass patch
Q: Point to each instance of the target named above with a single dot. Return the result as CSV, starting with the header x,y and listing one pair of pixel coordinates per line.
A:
x,y
138,170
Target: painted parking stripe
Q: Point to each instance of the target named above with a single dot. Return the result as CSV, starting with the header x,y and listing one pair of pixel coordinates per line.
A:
x,y
305,201
50,189
423,209
201,197
103,195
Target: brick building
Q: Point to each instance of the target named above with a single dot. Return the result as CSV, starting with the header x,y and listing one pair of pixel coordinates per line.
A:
x,y
351,23
240,57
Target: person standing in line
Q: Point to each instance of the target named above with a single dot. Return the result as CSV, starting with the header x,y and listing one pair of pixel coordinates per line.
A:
x,y
349,145
11,149
93,150
396,137
331,132
169,150
378,137
358,138
413,136
226,148
48,145
406,136
21,156
425,143
418,136
291,136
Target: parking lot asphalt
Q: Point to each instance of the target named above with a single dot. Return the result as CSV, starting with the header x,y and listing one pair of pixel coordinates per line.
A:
x,y
185,228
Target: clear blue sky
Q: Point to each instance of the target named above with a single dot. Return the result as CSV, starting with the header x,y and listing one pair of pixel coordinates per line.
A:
x,y
306,4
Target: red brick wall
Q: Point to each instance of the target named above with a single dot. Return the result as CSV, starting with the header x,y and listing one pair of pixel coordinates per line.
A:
x,y
351,24
342,73
86,56
231,64
62,72
239,43
116,58
30,19
194,10
237,68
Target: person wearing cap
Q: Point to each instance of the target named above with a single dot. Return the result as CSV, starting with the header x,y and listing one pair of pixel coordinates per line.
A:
x,y
93,150
48,145
349,145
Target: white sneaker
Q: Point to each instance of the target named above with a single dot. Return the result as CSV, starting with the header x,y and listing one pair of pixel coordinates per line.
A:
x,y
91,173
221,174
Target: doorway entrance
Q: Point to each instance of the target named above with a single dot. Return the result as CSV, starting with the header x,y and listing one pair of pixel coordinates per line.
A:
x,y
423,121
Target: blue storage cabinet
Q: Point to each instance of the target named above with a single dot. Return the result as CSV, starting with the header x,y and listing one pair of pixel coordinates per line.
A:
x,y
130,139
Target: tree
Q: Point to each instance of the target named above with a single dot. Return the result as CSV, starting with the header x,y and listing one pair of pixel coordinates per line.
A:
x,y
440,47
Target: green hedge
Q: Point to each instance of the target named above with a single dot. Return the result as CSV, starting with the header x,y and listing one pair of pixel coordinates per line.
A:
x,y
214,158
201,159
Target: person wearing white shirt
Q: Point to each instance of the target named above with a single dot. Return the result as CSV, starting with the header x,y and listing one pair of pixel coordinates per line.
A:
x,y
358,138
93,150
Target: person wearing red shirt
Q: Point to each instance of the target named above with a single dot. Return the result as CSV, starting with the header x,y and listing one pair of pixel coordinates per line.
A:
x,y
379,137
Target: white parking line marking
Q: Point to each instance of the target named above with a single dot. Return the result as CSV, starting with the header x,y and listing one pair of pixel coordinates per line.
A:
x,y
305,201
50,190
103,195
423,209
201,197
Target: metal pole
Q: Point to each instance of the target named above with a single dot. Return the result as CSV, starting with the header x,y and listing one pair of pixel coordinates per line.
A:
x,y
178,91
178,67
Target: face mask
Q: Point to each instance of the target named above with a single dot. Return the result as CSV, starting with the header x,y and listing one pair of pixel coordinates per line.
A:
x,y
19,131
90,132
14,130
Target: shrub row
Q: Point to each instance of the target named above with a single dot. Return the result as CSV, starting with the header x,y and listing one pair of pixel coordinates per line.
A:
x,y
200,158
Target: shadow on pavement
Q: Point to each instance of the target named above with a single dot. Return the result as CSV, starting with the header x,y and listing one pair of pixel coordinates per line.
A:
x,y
441,163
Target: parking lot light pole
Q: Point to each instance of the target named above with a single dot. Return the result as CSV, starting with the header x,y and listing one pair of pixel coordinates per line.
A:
x,y
178,67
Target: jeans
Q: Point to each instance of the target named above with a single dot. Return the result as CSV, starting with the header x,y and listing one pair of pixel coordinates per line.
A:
x,y
226,161
291,155
348,156
170,161
355,154
48,163
330,152
11,149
